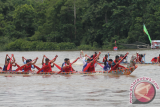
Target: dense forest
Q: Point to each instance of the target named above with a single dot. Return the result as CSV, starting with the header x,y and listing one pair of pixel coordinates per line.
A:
x,y
76,24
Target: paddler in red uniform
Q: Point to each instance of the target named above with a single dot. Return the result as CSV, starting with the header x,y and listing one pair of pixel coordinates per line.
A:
x,y
47,64
92,66
105,58
28,65
8,63
116,62
67,67
156,59
93,56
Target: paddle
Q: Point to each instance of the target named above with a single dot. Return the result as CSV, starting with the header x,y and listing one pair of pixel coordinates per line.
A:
x,y
75,60
20,68
90,63
118,63
97,62
57,66
9,65
46,65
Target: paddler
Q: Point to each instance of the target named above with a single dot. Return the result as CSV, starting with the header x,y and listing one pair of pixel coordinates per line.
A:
x,y
121,56
116,62
67,67
65,60
47,64
27,67
29,60
140,56
156,59
85,63
93,56
91,68
105,58
8,63
107,65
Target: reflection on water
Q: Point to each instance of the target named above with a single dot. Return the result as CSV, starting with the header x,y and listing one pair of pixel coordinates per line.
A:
x,y
72,90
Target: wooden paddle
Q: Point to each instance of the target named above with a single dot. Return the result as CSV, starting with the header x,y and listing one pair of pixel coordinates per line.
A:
x,y
45,65
90,63
118,63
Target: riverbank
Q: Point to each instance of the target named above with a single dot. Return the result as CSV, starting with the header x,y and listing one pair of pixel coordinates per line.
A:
x,y
24,45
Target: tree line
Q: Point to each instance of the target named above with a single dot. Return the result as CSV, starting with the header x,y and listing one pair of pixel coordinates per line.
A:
x,y
76,24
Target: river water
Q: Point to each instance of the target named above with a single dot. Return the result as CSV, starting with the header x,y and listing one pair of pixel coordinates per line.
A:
x,y
73,90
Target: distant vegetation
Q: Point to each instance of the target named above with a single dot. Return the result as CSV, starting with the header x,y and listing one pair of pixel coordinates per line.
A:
x,y
76,24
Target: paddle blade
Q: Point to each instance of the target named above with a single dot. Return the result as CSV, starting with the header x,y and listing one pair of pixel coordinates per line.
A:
x,y
101,65
57,66
37,67
20,68
41,69
9,66
86,68
17,65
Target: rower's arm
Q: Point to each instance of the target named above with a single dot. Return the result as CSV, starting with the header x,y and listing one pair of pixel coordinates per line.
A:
x,y
23,58
54,59
13,60
14,64
97,56
157,60
43,59
52,65
6,59
35,61
84,60
65,66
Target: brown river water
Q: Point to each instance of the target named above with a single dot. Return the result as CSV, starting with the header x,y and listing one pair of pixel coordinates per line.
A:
x,y
101,90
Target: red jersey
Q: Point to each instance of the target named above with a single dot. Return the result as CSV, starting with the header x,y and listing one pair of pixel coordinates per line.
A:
x,y
27,68
10,67
92,67
68,68
104,59
140,59
94,56
47,68
154,59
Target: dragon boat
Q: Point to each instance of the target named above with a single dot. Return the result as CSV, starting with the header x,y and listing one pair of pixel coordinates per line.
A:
x,y
126,71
